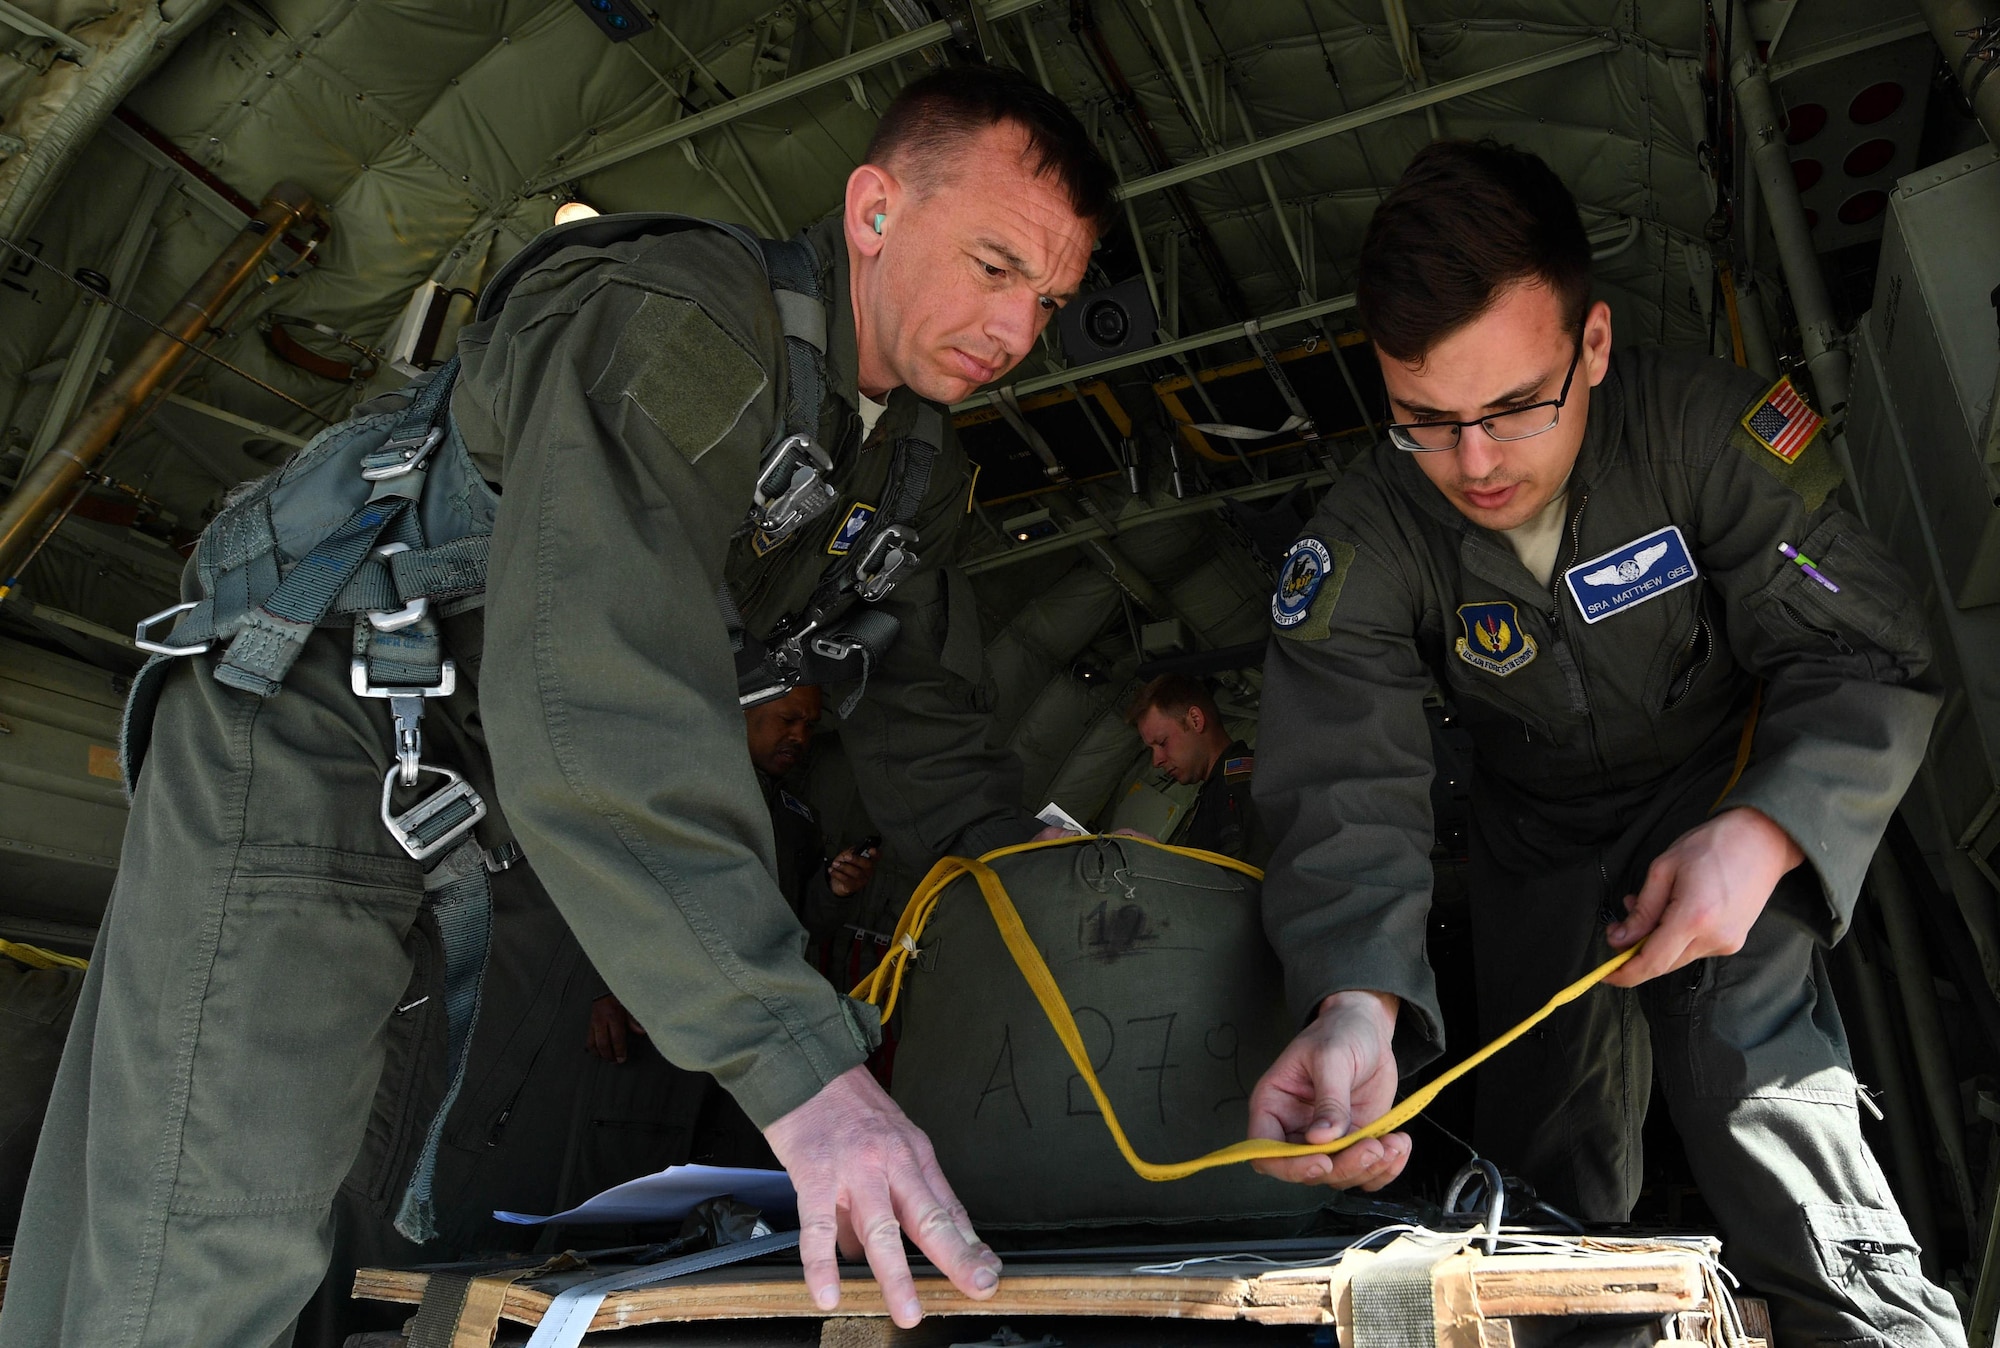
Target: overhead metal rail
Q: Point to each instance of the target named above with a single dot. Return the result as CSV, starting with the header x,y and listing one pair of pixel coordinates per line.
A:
x,y
1414,101
771,94
1081,533
930,34
1227,333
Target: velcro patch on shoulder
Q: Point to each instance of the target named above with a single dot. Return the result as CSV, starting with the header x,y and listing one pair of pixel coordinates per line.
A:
x,y
689,377
1784,436
1309,584
1236,769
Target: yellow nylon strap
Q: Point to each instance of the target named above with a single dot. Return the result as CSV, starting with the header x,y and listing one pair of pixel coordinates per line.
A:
x,y
1743,745
1043,984
37,958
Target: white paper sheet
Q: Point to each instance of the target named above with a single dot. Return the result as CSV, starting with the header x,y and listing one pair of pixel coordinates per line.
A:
x,y
669,1195
1055,816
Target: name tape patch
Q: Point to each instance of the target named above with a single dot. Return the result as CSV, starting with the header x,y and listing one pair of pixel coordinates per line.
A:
x,y
1306,568
1643,569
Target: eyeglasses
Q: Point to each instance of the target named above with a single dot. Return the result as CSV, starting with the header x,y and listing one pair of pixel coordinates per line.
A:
x,y
1519,423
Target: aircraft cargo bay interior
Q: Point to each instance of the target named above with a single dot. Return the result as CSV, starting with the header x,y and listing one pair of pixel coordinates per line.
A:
x,y
1364,640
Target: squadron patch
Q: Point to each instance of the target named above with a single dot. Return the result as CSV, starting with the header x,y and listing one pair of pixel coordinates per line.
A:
x,y
1781,421
1307,565
1643,569
851,528
1493,639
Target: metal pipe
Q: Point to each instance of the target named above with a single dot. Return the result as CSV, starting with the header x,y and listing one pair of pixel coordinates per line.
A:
x,y
1819,332
770,95
1137,519
1967,32
1227,333
1906,1149
1387,108
1926,1026
1404,39
44,489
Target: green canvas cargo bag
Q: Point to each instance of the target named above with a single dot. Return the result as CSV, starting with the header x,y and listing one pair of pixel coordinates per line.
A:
x,y
1161,958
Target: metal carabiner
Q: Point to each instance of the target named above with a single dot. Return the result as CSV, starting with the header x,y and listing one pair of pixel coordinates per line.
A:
x,y
888,553
407,706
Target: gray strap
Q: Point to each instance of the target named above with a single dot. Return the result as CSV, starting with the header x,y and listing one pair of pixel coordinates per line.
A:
x,y
1395,1302
793,268
803,317
447,571
568,1317
274,633
457,893
435,1324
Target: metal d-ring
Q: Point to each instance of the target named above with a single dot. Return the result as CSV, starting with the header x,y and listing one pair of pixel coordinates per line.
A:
x,y
160,647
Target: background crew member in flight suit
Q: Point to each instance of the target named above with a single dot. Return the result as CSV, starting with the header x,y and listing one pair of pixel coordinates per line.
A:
x,y
1584,552
778,733
229,1037
1177,718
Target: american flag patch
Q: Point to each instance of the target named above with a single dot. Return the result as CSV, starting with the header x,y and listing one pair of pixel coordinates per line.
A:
x,y
1781,422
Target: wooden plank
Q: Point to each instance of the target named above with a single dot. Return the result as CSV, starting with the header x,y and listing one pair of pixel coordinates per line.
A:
x,y
1642,1280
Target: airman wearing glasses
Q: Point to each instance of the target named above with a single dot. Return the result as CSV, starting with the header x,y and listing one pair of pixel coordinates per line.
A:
x,y
1696,691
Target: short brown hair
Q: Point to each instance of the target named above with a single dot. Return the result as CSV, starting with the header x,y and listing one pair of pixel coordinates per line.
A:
x,y
937,110
1172,694
1466,220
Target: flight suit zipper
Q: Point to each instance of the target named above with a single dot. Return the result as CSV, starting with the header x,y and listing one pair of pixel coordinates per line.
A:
x,y
1698,640
1575,660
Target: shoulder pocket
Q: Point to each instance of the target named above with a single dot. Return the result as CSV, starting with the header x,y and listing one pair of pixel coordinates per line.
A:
x,y
1872,609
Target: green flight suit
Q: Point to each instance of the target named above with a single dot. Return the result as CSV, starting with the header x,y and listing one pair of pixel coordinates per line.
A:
x,y
1224,818
1597,743
233,1026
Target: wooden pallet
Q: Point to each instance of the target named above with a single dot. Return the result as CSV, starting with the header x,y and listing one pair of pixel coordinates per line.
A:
x,y
1477,1295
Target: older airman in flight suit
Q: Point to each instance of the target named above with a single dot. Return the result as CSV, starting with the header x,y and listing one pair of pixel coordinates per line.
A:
x,y
1696,691
219,1078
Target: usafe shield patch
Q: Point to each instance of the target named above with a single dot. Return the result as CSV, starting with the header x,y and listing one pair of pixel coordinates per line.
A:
x,y
1643,569
1493,639
851,526
1307,565
1781,422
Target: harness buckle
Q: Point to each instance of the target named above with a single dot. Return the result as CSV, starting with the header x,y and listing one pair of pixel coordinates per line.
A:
x,y
407,706
888,553
396,457
160,647
412,612
438,820
791,487
836,647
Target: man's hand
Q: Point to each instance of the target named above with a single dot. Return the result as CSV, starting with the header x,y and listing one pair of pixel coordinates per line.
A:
x,y
866,1175
1703,894
1337,1075
610,1022
849,873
